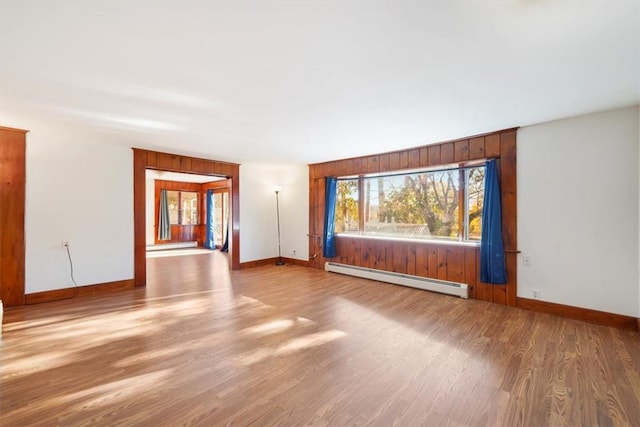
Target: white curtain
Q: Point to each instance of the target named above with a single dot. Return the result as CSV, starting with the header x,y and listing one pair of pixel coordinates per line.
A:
x,y
164,224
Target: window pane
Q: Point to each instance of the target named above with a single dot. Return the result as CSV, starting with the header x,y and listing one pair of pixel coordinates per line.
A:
x,y
225,215
415,206
189,207
220,217
217,219
475,202
442,205
172,201
347,215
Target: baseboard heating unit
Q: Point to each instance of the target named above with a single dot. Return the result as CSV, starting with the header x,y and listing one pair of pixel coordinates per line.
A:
x,y
427,284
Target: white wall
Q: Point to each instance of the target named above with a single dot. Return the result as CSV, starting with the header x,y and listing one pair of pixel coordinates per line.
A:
x,y
578,211
80,191
258,223
294,211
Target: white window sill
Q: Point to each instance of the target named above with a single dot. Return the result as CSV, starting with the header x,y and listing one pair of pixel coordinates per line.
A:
x,y
410,240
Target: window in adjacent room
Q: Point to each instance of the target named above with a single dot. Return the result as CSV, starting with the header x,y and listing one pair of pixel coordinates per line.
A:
x,y
183,207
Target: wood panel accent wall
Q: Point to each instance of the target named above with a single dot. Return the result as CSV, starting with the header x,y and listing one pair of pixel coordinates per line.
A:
x,y
221,185
12,203
181,233
145,159
454,262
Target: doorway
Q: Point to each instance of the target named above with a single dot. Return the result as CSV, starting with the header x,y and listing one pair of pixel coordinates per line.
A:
x,y
143,160
220,218
177,209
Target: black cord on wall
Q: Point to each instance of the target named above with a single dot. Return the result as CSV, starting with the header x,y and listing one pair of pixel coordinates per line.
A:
x,y
66,245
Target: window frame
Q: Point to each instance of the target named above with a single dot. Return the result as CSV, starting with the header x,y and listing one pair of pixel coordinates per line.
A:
x,y
463,169
180,211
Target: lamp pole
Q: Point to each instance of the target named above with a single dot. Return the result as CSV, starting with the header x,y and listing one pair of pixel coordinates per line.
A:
x,y
279,261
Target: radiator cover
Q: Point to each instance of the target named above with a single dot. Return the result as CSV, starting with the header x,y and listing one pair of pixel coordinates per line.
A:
x,y
427,284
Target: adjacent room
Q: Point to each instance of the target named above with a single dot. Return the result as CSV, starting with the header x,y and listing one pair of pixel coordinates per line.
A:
x,y
313,213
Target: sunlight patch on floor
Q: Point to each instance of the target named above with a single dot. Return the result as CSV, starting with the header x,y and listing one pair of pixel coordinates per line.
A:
x,y
30,324
85,332
252,303
267,328
115,391
293,345
275,326
27,365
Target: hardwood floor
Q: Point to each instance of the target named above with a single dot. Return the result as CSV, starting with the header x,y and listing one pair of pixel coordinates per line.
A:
x,y
293,346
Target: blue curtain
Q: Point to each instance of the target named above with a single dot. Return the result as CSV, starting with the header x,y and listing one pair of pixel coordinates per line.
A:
x,y
328,238
210,224
225,245
164,224
492,264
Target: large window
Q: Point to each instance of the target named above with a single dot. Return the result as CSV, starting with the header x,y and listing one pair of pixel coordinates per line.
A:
x,y
440,204
183,207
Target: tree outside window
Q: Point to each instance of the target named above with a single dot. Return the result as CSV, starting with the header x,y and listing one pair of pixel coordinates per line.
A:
x,y
183,207
444,205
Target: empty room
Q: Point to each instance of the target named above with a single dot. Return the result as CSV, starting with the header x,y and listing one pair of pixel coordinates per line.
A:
x,y
320,213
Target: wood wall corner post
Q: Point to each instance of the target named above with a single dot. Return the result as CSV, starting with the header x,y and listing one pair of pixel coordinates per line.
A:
x,y
235,220
12,199
139,223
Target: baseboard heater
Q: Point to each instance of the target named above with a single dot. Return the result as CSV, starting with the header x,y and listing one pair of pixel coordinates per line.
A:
x,y
176,245
434,285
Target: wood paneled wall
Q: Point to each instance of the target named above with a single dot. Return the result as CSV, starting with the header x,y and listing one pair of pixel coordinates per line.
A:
x,y
190,232
12,203
455,262
221,185
181,233
144,159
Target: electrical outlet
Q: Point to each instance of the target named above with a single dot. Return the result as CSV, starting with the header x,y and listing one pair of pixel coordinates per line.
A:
x,y
293,253
526,260
535,293
65,244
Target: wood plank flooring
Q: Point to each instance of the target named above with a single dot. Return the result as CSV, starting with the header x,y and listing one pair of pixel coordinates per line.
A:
x,y
294,346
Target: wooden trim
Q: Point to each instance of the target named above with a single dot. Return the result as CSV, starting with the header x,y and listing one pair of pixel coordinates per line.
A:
x,y
145,159
269,261
12,203
404,151
67,293
294,261
579,313
5,128
258,263
139,217
218,186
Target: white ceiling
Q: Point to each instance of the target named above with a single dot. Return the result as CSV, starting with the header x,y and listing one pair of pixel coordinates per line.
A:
x,y
308,81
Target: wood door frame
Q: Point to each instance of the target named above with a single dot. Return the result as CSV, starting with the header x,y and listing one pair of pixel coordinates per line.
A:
x,y
145,159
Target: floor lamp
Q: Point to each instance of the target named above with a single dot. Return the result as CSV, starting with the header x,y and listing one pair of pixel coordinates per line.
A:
x,y
279,261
